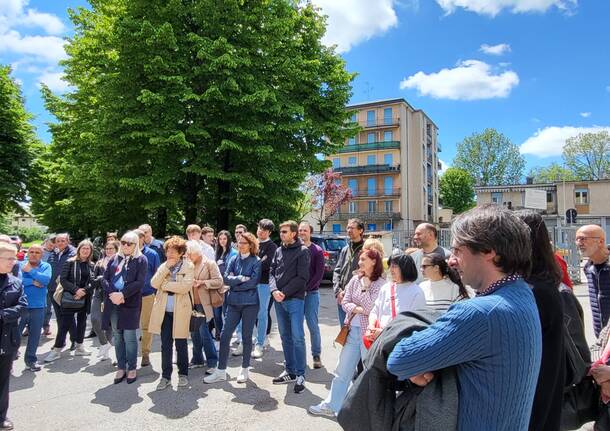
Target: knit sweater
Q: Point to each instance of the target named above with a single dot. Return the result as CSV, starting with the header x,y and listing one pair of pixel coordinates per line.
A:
x,y
495,342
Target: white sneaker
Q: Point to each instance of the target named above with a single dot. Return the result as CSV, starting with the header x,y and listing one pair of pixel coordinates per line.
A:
x,y
80,350
243,376
216,376
53,355
104,352
239,350
210,371
258,352
182,381
321,409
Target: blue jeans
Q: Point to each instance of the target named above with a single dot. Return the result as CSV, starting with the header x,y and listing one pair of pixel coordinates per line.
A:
x,y
34,319
351,353
125,344
312,305
218,320
202,340
341,314
261,319
290,314
235,314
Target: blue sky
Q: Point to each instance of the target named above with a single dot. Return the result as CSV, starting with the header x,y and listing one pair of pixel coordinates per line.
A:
x,y
536,70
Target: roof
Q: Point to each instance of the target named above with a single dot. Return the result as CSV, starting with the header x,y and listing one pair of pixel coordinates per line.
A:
x,y
387,102
541,186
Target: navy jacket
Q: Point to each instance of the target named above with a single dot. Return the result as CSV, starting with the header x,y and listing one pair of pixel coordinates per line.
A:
x,y
266,251
242,292
12,302
57,262
599,294
135,277
289,271
152,257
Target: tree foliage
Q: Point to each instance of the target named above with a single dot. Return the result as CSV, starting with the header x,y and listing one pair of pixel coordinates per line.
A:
x,y
209,111
552,173
327,195
491,158
456,190
18,145
588,155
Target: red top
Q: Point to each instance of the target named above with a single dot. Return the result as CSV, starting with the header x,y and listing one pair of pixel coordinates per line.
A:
x,y
564,270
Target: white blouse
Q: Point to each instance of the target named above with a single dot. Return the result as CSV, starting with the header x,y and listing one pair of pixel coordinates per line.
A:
x,y
409,296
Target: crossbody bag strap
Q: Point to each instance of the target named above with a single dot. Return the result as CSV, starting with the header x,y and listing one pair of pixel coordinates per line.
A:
x,y
393,299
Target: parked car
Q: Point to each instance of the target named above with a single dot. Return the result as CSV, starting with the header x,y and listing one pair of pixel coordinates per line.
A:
x,y
331,246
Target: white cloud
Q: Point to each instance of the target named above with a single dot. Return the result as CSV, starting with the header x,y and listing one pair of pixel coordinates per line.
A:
x,y
50,23
585,114
353,21
469,80
494,7
54,80
501,48
444,167
549,141
46,48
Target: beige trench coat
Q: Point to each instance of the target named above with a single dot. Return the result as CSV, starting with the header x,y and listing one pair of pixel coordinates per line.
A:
x,y
182,301
208,273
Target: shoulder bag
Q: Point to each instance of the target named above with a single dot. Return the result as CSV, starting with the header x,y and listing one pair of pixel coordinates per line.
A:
x,y
197,318
344,332
68,301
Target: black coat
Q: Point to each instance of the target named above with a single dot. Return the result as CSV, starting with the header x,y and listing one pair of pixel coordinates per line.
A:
x,y
77,275
12,302
289,271
135,277
57,262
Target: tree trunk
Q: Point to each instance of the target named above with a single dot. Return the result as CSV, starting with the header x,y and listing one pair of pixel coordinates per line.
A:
x,y
191,187
161,228
224,189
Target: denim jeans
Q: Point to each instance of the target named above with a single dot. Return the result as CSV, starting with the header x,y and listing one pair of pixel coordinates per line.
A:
x,y
235,314
34,319
202,341
261,319
125,344
312,305
218,320
341,314
167,342
350,355
290,314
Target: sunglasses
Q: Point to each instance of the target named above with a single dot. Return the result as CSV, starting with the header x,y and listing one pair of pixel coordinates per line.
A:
x,y
128,243
284,231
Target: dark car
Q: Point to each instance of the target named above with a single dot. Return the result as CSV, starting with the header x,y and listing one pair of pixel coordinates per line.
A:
x,y
331,246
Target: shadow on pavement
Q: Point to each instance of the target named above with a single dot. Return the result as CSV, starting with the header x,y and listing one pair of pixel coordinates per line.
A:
x,y
302,400
23,381
67,364
176,403
251,394
118,398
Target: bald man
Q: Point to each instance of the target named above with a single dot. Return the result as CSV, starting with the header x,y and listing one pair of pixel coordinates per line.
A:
x,y
591,241
426,239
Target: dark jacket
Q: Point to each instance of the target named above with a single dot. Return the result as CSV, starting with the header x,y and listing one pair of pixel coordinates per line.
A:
x,y
57,262
84,272
371,403
242,292
266,251
157,245
548,398
152,257
12,302
347,263
316,267
289,272
135,277
599,293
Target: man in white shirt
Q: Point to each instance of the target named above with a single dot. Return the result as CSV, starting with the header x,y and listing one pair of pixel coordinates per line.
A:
x,y
194,233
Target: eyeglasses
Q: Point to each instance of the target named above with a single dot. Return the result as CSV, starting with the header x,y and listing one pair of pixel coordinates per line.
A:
x,y
584,238
284,231
425,266
129,244
110,249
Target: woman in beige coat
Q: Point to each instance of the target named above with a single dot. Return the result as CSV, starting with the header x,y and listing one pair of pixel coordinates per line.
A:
x,y
172,309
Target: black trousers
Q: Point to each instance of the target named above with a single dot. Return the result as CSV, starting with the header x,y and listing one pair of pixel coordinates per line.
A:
x,y
67,323
57,310
6,364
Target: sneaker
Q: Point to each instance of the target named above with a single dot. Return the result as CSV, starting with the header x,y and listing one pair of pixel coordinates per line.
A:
x,y
182,381
216,376
321,409
72,346
80,350
284,378
53,355
239,350
193,366
243,376
317,363
104,352
210,371
163,383
33,367
258,352
299,386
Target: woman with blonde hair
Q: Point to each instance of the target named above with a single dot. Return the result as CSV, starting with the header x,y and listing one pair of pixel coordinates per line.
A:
x,y
75,301
171,313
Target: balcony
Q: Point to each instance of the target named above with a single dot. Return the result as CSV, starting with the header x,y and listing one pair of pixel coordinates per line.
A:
x,y
380,122
378,215
368,169
372,146
376,193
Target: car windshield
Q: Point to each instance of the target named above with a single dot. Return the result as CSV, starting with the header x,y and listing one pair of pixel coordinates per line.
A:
x,y
335,244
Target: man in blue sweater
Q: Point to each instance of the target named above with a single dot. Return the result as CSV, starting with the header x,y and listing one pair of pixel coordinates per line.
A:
x,y
493,340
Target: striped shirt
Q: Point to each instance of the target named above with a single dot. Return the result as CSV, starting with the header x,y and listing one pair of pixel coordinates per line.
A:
x,y
440,295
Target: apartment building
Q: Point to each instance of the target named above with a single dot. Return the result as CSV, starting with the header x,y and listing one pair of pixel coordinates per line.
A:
x,y
391,166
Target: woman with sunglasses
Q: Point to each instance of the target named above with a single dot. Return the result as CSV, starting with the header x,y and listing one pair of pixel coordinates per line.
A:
x,y
123,283
443,285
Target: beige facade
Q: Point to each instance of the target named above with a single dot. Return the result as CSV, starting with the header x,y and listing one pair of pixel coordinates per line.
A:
x,y
391,166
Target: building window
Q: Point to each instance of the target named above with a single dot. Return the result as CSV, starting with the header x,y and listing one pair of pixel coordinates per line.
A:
x,y
388,136
387,206
581,196
372,207
549,197
370,138
351,141
353,185
496,198
388,159
370,118
352,161
387,116
354,118
371,186
388,226
336,163
351,207
336,228
388,185
371,227
371,160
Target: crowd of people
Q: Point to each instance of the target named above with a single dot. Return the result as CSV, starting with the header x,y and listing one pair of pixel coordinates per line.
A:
x,y
496,300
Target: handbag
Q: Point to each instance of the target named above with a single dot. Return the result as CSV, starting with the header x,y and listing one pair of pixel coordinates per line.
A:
x,y
344,332
68,301
217,296
197,318
58,291
582,404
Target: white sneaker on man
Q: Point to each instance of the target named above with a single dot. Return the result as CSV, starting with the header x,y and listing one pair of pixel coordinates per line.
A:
x,y
239,350
216,376
243,376
104,352
53,355
321,409
80,350
258,352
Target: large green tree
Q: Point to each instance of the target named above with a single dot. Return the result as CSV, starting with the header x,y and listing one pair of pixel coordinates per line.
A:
x,y
551,173
209,111
588,155
491,158
18,144
456,190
